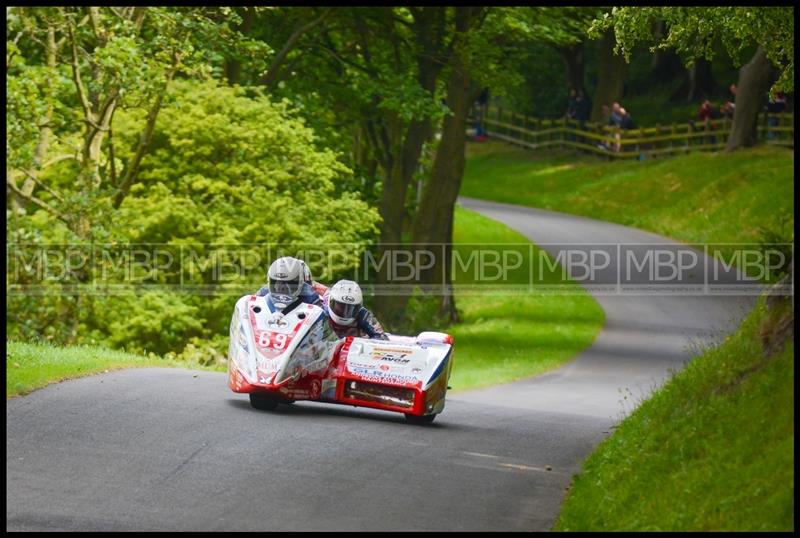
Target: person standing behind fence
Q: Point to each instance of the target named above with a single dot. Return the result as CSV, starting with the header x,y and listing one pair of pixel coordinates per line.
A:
x,y
775,105
615,119
572,111
705,114
482,105
584,109
730,106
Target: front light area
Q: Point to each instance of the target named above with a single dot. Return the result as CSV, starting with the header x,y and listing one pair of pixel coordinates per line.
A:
x,y
382,394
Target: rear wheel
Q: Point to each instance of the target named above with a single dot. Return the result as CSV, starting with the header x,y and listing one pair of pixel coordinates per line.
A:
x,y
263,402
416,419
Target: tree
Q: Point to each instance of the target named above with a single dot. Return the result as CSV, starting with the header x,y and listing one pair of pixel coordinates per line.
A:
x,y
693,31
611,76
70,72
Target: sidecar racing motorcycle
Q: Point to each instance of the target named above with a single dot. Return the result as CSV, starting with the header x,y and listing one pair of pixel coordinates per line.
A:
x,y
279,357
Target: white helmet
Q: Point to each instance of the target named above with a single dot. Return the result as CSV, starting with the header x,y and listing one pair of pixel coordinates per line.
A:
x,y
285,281
306,271
344,302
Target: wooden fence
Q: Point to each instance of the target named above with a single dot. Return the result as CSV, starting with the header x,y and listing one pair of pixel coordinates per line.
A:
x,y
613,142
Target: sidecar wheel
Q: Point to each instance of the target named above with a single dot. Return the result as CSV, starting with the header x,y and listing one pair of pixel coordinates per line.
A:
x,y
263,402
415,419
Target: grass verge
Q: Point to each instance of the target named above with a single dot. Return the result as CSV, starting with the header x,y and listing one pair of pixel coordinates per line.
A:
x,y
32,366
713,449
742,197
507,331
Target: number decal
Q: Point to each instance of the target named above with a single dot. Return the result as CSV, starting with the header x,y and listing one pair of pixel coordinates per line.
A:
x,y
276,341
280,341
263,339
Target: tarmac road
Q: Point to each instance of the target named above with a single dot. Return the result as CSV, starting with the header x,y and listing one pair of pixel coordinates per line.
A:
x,y
176,450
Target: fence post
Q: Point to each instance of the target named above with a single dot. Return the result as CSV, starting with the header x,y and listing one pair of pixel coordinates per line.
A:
x,y
499,118
525,126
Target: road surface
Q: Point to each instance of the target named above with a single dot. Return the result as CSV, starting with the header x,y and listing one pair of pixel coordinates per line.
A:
x,y
176,450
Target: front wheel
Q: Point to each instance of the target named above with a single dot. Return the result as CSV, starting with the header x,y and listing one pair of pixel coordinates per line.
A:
x,y
263,402
416,419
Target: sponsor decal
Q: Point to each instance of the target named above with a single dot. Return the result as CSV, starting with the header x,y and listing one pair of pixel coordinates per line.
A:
x,y
316,388
278,320
380,376
266,365
384,367
391,350
391,379
394,359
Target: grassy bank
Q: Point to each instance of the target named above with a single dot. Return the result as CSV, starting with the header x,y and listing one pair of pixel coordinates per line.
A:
x,y
696,198
511,333
711,450
32,366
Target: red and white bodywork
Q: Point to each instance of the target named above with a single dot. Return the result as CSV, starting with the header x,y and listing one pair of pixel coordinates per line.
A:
x,y
279,358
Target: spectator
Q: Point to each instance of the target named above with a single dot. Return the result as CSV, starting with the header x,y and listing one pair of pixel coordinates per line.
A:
x,y
606,111
572,110
775,105
627,120
481,104
705,114
572,105
584,109
617,118
730,106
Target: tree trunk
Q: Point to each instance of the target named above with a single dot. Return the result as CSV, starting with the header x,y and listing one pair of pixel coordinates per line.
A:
x,y
573,60
666,65
611,76
233,67
755,78
701,81
398,179
432,230
45,131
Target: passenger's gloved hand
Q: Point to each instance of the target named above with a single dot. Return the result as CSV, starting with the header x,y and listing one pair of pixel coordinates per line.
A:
x,y
379,336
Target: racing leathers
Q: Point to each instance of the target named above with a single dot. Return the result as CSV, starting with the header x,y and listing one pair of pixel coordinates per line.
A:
x,y
365,324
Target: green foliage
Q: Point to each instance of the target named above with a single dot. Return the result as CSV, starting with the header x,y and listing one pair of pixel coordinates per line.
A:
x,y
694,30
227,167
712,450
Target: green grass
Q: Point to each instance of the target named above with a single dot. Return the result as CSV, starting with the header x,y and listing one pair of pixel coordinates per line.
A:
x,y
697,198
32,366
713,449
509,335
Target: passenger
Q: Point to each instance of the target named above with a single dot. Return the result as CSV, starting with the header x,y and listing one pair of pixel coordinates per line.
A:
x,y
347,315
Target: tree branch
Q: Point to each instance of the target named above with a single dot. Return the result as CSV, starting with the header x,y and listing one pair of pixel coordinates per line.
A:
x,y
30,198
42,185
271,76
132,170
76,76
60,158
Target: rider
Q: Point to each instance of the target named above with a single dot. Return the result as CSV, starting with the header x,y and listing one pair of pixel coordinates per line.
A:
x,y
318,287
287,285
347,315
